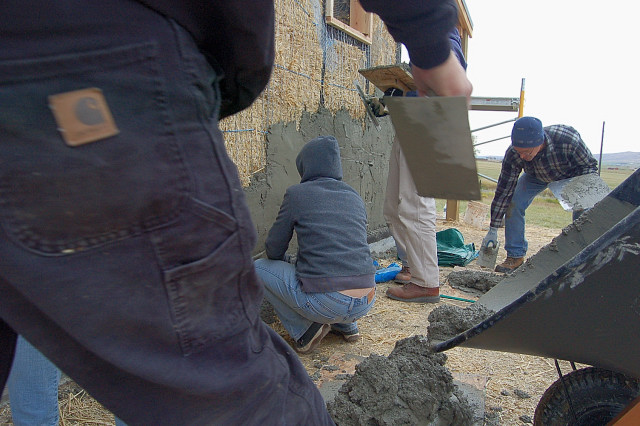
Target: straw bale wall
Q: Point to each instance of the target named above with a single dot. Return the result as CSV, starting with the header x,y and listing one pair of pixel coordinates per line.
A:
x,y
315,67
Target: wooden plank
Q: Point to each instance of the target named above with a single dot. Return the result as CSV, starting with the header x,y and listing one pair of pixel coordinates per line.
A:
x,y
360,19
388,76
630,416
353,32
464,19
453,212
464,41
328,12
336,23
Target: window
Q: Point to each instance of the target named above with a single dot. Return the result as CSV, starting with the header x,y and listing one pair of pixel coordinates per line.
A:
x,y
350,17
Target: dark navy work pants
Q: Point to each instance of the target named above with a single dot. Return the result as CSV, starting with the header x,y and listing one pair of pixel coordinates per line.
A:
x,y
127,260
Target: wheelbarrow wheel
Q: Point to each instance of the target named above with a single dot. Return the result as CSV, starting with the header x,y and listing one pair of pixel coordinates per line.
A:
x,y
596,395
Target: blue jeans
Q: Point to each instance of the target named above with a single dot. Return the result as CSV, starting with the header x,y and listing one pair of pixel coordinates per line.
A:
x,y
526,190
33,387
297,310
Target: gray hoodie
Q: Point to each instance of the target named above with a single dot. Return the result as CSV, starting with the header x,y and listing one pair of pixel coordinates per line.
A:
x,y
330,221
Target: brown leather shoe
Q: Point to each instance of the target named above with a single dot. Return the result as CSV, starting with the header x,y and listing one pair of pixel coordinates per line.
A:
x,y
510,264
414,293
404,276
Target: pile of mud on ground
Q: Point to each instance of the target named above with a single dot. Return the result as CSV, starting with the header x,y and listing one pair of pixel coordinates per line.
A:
x,y
369,382
409,387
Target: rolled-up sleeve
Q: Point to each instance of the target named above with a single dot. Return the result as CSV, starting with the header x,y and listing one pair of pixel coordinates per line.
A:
x,y
281,232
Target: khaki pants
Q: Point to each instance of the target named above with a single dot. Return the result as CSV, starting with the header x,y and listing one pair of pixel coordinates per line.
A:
x,y
412,221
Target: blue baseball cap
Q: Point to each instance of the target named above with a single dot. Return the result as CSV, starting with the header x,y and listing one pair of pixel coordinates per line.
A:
x,y
527,133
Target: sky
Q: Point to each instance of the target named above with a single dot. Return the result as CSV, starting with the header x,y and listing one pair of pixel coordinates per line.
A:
x,y
579,62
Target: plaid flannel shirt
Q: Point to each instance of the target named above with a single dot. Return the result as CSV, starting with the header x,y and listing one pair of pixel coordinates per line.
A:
x,y
565,155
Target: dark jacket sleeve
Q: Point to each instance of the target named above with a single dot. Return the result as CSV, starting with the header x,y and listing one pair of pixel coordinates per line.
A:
x,y
281,231
422,26
236,36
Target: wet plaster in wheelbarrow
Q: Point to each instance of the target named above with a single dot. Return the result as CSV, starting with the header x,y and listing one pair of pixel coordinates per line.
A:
x,y
580,192
573,239
409,387
447,321
472,281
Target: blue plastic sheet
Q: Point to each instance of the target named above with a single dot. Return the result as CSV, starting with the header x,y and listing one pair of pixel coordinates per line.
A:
x,y
388,273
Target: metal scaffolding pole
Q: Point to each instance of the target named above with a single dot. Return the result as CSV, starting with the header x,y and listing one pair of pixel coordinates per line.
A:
x,y
521,106
601,143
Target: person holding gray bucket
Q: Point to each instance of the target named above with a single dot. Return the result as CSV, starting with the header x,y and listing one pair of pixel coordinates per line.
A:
x,y
546,154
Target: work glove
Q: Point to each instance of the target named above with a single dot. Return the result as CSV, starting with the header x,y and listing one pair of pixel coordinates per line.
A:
x,y
377,106
491,237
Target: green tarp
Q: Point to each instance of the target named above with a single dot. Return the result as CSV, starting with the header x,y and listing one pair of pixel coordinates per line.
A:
x,y
452,251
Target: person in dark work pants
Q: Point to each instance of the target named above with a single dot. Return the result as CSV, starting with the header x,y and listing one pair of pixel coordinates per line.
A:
x,y
126,243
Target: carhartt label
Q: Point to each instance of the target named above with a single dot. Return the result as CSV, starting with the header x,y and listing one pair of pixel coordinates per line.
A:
x,y
83,116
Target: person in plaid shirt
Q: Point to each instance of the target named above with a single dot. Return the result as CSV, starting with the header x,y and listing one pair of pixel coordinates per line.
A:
x,y
546,155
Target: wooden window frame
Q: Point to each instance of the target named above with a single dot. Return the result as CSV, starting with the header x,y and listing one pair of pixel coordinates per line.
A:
x,y
360,21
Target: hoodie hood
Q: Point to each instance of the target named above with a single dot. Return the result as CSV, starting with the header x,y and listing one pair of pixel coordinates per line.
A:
x,y
320,158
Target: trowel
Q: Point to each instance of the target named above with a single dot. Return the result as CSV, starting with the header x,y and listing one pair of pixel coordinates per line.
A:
x,y
580,192
435,138
434,135
488,255
367,107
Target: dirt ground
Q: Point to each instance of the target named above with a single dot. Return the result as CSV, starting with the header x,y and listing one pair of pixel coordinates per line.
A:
x,y
512,384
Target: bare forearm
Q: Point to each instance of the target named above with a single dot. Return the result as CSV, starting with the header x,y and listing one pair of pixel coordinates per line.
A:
x,y
447,79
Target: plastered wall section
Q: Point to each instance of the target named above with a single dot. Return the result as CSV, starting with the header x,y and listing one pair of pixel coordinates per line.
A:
x,y
365,163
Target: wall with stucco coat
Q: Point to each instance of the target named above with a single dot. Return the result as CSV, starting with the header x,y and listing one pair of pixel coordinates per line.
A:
x,y
365,163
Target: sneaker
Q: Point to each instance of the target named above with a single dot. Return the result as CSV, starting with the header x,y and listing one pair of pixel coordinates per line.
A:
x,y
404,276
414,293
510,264
312,337
350,337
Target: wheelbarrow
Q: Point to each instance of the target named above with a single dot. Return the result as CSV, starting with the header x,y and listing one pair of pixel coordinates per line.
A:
x,y
577,299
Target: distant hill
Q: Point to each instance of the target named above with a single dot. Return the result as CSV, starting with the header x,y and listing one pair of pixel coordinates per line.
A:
x,y
619,159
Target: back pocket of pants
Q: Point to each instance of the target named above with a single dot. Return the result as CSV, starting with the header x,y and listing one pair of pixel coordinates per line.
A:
x,y
57,199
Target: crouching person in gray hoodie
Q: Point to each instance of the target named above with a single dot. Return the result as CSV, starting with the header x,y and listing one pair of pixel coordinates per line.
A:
x,y
332,283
